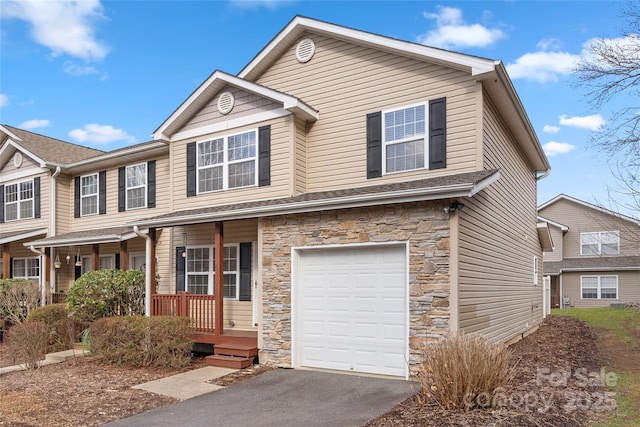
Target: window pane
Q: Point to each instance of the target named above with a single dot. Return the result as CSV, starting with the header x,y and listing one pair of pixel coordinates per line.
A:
x,y
136,175
26,209
88,185
405,123
230,285
210,152
11,193
198,284
107,262
610,243
589,293
26,190
19,268
11,211
242,146
405,156
242,174
136,198
210,179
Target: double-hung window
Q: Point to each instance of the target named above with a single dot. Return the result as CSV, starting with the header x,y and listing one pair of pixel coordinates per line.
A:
x,y
404,139
600,243
107,262
227,162
136,179
200,270
18,200
26,268
599,287
89,194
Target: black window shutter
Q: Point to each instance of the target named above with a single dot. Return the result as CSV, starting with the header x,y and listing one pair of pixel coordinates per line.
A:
x,y
191,169
77,272
374,145
1,204
122,190
117,266
36,197
180,268
438,133
76,197
245,272
102,192
151,184
10,268
264,156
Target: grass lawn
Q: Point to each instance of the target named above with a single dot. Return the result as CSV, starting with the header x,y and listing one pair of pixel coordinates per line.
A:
x,y
618,331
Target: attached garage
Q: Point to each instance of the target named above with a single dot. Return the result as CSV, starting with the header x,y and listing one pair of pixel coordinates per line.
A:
x,y
351,310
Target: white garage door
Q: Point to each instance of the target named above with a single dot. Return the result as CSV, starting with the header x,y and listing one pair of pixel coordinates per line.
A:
x,y
353,309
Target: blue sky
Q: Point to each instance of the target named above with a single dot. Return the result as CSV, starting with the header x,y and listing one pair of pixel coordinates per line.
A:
x,y
107,74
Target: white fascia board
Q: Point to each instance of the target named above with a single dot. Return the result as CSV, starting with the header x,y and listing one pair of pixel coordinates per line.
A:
x,y
18,147
107,238
544,235
9,133
475,65
373,199
157,145
25,235
562,227
23,173
230,124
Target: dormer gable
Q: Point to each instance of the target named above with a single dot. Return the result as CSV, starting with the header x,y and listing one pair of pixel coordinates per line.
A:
x,y
224,101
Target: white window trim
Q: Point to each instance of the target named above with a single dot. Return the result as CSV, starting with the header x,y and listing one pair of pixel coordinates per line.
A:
x,y
536,266
19,200
208,273
111,257
25,259
225,162
599,287
133,255
599,235
425,138
145,186
96,195
211,273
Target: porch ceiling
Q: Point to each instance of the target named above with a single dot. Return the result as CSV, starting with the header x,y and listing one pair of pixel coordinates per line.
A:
x,y
442,187
86,237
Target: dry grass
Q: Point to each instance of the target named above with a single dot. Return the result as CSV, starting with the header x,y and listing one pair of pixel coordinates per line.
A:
x,y
464,372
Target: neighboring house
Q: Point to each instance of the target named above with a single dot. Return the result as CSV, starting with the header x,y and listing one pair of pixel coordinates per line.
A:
x,y
364,196
596,260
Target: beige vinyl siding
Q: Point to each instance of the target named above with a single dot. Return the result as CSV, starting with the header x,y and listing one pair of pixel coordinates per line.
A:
x,y
345,82
29,224
497,242
64,193
281,175
556,236
628,288
301,157
113,218
245,104
27,163
580,219
240,313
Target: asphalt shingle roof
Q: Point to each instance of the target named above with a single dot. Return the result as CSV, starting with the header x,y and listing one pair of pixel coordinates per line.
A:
x,y
592,263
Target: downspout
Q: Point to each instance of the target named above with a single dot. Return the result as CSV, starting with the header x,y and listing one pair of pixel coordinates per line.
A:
x,y
52,227
147,271
43,291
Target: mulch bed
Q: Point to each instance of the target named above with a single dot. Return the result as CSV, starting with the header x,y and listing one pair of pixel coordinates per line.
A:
x,y
556,383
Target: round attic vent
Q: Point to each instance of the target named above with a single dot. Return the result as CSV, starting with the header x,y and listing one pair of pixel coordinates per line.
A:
x,y
17,160
305,50
225,102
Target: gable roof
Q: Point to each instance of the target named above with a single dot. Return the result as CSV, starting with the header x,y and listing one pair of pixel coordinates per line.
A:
x,y
562,227
491,72
587,205
436,188
208,90
45,150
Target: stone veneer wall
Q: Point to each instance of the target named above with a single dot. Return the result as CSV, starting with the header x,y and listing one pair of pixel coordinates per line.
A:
x,y
424,224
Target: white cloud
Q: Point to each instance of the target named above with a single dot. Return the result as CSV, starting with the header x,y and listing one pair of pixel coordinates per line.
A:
x,y
594,122
100,134
34,124
79,70
453,32
4,100
551,129
542,66
64,26
553,148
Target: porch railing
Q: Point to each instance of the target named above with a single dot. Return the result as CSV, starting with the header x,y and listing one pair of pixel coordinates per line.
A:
x,y
199,308
58,298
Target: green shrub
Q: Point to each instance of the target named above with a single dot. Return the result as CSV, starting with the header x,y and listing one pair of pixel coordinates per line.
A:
x,y
464,371
28,341
159,341
106,293
56,317
17,298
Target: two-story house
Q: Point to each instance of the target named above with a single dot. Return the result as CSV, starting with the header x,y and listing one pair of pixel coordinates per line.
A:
x,y
343,200
596,260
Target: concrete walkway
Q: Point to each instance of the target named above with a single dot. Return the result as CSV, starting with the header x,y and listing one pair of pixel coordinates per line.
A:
x,y
188,384
283,398
49,359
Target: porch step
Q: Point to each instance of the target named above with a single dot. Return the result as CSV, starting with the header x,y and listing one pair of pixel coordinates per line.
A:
x,y
235,362
232,349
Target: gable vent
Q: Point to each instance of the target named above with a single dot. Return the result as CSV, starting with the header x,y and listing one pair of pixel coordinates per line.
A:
x,y
305,50
225,103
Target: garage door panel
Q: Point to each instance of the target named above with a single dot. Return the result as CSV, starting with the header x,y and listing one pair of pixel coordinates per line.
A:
x,y
356,300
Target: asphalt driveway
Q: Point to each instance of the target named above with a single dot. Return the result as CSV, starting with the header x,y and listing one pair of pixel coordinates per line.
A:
x,y
283,397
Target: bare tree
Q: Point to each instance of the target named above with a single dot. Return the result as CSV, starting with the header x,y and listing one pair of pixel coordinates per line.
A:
x,y
608,70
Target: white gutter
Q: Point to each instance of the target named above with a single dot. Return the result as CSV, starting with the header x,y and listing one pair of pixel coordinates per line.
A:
x,y
43,291
52,226
544,175
147,270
